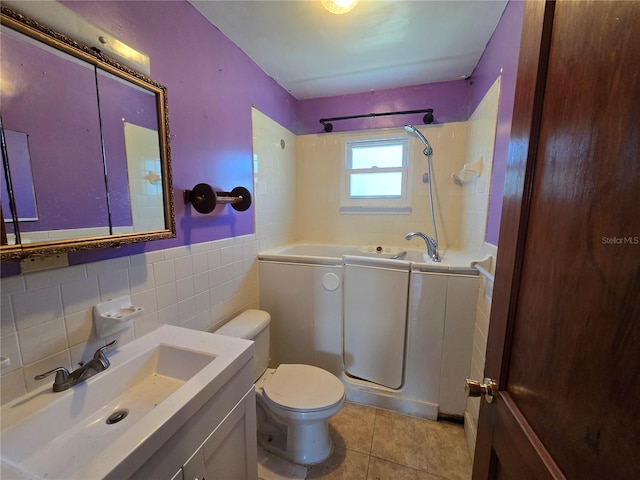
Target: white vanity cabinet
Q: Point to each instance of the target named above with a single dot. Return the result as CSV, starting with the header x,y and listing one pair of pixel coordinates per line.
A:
x,y
216,442
225,453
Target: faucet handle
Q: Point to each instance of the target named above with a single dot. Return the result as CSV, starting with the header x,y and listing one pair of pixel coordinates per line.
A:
x,y
62,375
100,355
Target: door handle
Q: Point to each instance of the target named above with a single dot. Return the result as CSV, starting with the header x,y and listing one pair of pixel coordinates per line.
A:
x,y
475,389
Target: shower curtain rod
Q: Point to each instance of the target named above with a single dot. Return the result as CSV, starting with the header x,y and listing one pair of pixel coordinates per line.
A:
x,y
428,118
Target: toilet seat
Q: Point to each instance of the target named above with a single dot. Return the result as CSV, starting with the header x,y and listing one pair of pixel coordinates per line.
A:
x,y
303,388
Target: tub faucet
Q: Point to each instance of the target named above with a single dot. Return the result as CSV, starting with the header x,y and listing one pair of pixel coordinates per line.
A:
x,y
432,244
65,380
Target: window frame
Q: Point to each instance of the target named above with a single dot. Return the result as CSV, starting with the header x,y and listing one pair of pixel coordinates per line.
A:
x,y
377,202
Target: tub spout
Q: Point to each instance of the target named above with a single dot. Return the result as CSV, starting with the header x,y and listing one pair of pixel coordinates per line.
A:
x,y
432,244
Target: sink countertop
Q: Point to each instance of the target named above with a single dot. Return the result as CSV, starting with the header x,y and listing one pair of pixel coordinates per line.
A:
x,y
120,458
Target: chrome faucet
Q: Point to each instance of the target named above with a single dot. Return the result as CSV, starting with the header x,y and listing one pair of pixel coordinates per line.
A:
x,y
65,380
432,244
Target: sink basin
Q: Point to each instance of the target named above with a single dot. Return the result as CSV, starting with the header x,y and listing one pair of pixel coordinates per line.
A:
x,y
152,386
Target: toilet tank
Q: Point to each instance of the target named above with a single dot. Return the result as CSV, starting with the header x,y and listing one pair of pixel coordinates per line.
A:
x,y
251,325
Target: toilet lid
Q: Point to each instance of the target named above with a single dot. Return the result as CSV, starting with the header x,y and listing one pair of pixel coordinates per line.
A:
x,y
303,387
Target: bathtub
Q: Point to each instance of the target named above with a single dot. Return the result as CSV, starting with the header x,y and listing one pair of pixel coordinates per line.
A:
x,y
325,254
398,332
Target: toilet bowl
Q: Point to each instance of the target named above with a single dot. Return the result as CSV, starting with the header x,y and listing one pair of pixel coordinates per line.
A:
x,y
293,402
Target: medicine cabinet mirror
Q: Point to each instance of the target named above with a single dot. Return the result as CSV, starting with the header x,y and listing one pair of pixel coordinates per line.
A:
x,y
85,146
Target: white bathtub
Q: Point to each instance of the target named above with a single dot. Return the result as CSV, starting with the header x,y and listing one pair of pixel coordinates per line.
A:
x,y
326,254
302,287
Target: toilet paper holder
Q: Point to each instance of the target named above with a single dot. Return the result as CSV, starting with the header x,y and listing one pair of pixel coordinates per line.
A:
x,y
204,198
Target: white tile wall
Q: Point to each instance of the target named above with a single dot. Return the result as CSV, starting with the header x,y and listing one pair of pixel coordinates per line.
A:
x,y
475,191
47,235
275,187
480,334
320,174
143,164
475,203
47,316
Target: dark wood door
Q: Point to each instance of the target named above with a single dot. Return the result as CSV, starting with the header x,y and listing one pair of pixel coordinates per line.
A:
x,y
564,338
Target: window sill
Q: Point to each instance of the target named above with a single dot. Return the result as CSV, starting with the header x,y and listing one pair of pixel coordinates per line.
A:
x,y
375,210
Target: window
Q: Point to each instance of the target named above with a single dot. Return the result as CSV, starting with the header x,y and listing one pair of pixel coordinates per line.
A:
x,y
376,172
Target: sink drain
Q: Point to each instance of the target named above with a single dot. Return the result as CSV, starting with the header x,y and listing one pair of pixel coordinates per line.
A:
x,y
115,417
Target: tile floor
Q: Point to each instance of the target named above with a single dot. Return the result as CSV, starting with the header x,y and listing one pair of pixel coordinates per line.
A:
x,y
375,444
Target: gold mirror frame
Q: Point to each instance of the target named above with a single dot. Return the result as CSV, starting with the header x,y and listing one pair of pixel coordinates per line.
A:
x,y
31,28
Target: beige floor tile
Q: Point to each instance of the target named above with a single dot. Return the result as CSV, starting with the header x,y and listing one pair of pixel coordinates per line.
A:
x,y
383,470
400,439
272,467
401,447
342,465
352,427
448,453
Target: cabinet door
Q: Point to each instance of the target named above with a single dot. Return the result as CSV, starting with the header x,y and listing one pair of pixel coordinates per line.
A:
x,y
231,450
178,475
194,468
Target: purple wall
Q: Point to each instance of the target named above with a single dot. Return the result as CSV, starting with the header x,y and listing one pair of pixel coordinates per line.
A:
x,y
499,58
66,153
212,85
50,118
449,101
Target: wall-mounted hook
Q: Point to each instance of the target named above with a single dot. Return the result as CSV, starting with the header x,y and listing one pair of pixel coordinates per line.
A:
x,y
204,198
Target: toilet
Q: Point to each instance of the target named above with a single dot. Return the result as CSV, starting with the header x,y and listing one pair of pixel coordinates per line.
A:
x,y
293,402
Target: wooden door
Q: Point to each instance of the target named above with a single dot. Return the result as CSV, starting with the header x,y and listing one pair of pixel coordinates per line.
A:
x,y
564,340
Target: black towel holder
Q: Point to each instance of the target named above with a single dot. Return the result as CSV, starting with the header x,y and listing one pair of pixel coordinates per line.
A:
x,y
204,198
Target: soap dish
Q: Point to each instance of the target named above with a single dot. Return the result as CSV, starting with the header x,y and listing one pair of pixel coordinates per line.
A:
x,y
114,315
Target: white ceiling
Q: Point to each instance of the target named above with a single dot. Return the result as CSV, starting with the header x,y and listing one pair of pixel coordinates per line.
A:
x,y
380,44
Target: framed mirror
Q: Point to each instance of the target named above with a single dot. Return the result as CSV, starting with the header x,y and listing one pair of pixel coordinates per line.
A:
x,y
85,146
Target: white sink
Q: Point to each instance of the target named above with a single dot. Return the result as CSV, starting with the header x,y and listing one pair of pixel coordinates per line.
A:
x,y
159,381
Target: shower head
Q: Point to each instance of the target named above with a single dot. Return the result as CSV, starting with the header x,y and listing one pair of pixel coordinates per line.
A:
x,y
414,131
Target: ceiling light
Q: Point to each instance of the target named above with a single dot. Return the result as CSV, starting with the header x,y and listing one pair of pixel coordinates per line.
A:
x,y
339,6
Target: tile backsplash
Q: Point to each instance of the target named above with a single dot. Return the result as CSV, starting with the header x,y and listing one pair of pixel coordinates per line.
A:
x,y
47,316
